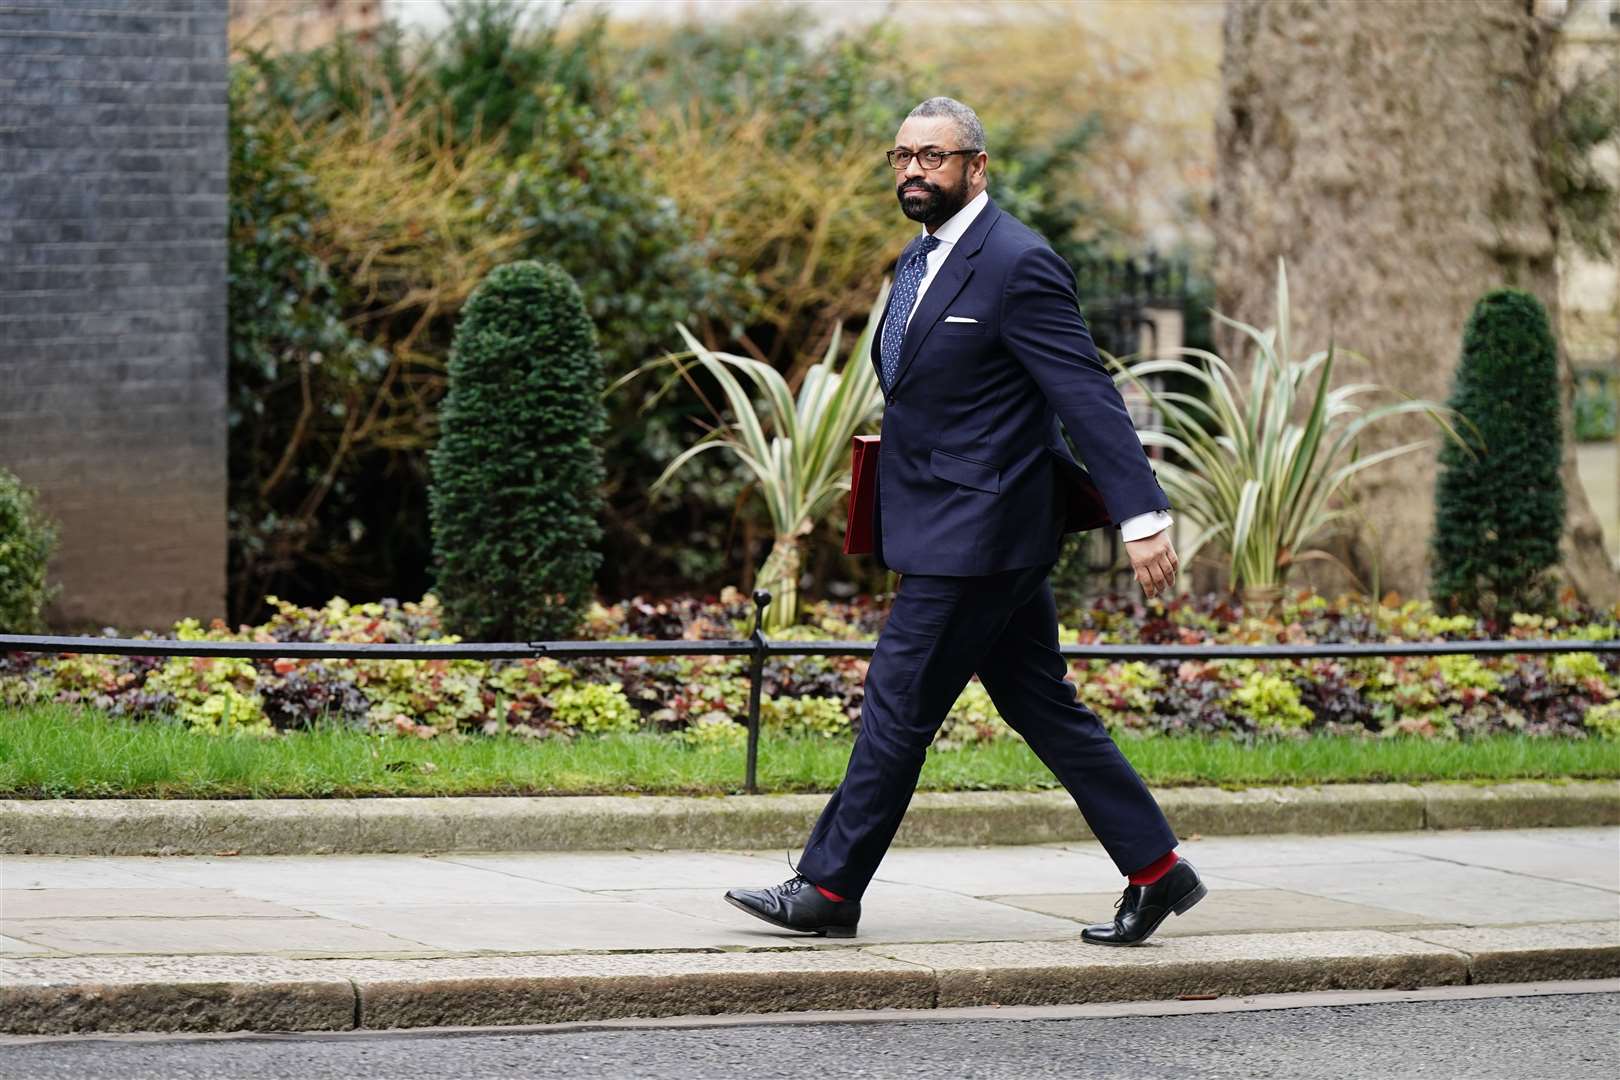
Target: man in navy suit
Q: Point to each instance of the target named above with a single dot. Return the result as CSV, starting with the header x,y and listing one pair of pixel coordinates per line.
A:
x,y
981,353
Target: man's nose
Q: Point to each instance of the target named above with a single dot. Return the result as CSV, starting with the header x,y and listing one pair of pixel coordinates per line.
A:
x,y
912,171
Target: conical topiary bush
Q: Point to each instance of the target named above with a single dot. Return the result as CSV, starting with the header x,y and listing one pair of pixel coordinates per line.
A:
x,y
517,473
27,538
1500,510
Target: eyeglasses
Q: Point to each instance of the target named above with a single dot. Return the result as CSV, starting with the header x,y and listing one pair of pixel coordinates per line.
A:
x,y
930,158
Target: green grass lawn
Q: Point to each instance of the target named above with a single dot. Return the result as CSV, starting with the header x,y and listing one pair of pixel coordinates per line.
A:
x,y
60,752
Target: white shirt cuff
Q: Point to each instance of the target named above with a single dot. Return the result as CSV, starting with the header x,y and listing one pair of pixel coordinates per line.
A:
x,y
1135,528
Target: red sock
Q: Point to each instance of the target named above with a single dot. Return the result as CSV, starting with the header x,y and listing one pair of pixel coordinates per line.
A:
x,y
1154,870
828,893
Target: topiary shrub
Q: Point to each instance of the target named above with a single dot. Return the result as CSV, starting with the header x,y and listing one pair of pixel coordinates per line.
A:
x,y
27,538
515,500
1500,511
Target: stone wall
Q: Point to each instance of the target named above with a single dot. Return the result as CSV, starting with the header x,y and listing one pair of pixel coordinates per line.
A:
x,y
1390,153
113,159
1588,50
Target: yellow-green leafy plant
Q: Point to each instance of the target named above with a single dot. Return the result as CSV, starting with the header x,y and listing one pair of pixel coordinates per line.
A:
x,y
1121,693
1467,674
973,718
1267,697
810,715
422,697
1432,723
1258,484
596,708
1581,669
1604,719
81,677
538,676
799,632
217,695
716,687
522,692
714,731
20,689
795,445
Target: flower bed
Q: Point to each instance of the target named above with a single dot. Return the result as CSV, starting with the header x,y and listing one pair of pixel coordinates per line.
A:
x,y
703,700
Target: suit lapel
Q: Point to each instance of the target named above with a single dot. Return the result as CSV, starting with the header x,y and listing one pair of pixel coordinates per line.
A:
x,y
947,284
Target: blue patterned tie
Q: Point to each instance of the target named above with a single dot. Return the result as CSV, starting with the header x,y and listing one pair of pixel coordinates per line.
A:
x,y
901,298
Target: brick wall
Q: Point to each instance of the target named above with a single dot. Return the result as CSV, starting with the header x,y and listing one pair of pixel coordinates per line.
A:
x,y
113,162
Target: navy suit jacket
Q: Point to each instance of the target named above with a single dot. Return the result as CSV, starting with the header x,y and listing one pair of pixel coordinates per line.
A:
x,y
972,462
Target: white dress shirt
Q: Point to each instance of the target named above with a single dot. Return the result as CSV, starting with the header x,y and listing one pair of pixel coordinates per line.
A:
x,y
1132,528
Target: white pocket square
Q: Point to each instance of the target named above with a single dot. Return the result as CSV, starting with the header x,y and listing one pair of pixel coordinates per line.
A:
x,y
959,318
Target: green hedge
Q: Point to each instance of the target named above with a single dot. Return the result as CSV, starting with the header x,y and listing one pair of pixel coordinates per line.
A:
x,y
1499,512
27,538
517,473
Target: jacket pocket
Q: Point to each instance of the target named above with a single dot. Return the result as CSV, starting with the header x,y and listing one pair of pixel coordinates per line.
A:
x,y
965,471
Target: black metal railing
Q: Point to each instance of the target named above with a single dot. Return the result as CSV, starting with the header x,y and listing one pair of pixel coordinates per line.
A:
x,y
1115,294
756,647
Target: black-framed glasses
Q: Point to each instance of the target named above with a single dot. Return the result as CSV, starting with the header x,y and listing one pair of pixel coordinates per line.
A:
x,y
929,158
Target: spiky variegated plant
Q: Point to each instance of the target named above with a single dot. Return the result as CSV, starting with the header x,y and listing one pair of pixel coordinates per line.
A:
x,y
1255,482
796,447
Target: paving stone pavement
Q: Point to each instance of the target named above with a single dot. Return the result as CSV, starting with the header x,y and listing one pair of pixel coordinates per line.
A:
x,y
404,906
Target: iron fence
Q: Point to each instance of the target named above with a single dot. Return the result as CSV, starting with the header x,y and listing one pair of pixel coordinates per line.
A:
x,y
1116,295
757,647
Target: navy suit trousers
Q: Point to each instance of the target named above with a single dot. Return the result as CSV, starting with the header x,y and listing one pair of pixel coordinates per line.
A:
x,y
940,631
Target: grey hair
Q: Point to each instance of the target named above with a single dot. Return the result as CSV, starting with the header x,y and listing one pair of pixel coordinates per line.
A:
x,y
967,121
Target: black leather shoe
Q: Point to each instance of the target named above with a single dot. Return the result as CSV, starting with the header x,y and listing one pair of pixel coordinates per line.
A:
x,y
796,904
1144,907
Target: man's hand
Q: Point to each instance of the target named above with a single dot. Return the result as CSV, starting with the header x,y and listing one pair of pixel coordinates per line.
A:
x,y
1154,560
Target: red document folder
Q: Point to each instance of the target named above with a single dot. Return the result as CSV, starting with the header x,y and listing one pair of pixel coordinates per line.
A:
x,y
1083,507
863,465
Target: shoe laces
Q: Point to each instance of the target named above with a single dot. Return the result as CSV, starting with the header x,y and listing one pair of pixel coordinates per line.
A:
x,y
795,883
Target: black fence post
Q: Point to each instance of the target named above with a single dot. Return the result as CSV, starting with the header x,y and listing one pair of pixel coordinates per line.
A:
x,y
756,679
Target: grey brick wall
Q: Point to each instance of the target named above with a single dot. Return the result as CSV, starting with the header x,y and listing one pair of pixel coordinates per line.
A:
x,y
113,159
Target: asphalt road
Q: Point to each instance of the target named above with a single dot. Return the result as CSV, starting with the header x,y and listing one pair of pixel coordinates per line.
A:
x,y
1563,1036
